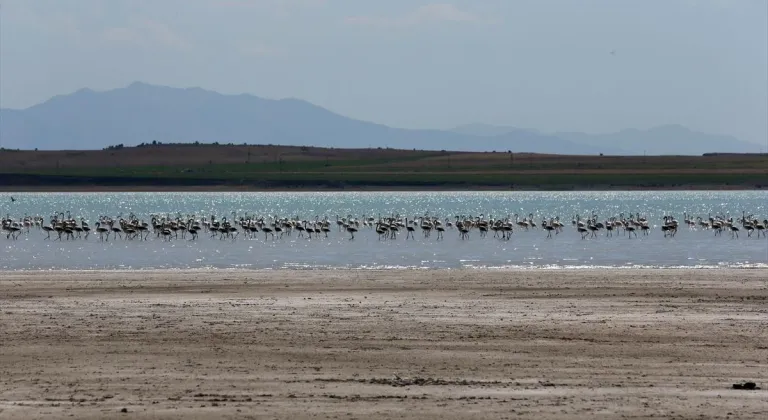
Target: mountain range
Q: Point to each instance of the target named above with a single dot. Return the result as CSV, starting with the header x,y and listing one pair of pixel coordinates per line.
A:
x,y
142,113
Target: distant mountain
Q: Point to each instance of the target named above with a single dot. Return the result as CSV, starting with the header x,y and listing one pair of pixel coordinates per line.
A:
x,y
663,140
532,136
141,113
488,130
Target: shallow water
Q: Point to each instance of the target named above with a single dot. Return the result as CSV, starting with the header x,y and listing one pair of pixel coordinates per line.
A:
x,y
526,249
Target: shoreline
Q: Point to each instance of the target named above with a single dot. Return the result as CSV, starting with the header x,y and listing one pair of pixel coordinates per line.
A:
x,y
305,276
477,270
231,188
426,344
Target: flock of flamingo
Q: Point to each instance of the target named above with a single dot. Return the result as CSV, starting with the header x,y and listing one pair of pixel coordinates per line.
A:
x,y
63,226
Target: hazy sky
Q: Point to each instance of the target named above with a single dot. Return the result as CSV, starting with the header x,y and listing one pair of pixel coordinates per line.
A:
x,y
543,64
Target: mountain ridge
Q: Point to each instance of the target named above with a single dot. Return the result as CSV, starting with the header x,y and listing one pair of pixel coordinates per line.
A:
x,y
142,113
667,139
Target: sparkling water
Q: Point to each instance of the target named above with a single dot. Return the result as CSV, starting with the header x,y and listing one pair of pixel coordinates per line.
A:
x,y
526,249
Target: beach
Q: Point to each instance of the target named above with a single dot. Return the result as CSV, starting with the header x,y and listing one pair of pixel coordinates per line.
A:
x,y
545,344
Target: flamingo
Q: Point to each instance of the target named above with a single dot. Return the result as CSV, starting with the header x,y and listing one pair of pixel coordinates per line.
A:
x,y
351,229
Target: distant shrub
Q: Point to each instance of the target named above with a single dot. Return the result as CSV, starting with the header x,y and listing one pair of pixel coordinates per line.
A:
x,y
115,147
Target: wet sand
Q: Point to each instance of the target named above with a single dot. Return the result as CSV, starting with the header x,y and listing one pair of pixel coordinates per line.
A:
x,y
375,344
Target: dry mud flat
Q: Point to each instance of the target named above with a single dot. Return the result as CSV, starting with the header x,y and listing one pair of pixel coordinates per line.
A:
x,y
397,344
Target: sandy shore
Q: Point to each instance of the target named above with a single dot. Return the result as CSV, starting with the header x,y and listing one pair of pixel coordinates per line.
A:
x,y
398,344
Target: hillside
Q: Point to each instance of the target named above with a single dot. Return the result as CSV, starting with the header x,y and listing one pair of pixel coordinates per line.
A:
x,y
142,113
221,166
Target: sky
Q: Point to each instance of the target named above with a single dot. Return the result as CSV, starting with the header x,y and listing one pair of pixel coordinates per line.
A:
x,y
553,65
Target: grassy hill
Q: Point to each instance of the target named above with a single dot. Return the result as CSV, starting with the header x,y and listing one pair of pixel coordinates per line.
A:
x,y
230,166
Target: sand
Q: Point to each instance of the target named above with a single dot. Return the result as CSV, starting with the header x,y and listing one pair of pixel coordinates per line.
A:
x,y
384,344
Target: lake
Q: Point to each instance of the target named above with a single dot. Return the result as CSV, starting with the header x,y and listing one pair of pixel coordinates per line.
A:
x,y
526,249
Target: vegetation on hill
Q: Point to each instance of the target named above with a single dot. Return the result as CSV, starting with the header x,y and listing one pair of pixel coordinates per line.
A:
x,y
296,166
